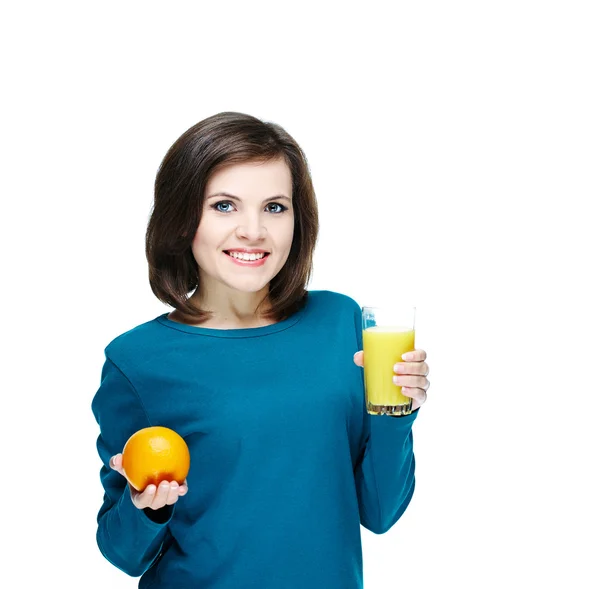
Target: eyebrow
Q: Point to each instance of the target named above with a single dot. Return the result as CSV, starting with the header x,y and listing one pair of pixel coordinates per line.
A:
x,y
232,197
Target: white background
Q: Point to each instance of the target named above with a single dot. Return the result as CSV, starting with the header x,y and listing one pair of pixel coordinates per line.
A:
x,y
454,148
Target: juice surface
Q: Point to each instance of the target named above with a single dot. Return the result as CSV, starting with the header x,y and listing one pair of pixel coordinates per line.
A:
x,y
383,347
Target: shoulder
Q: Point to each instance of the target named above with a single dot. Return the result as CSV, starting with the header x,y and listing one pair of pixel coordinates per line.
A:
x,y
134,341
330,300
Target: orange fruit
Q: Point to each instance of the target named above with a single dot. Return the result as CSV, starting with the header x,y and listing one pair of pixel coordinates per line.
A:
x,y
155,454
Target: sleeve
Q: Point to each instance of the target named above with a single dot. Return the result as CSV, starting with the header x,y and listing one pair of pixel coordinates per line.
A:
x,y
385,472
129,538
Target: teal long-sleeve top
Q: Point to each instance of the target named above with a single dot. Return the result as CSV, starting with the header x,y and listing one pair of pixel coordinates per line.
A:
x,y
286,463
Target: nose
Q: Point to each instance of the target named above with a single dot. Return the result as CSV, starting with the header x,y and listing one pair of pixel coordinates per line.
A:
x,y
251,227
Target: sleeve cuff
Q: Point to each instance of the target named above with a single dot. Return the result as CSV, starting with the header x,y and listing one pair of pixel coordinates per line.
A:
x,y
410,417
133,518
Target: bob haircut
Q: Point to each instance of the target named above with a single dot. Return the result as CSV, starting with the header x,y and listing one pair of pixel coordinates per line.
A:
x,y
221,140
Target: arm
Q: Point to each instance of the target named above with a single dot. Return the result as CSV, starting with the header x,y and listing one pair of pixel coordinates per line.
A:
x,y
385,471
385,474
129,538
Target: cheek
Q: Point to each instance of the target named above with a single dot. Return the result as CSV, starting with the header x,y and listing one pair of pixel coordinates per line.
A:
x,y
198,241
208,235
286,234
201,244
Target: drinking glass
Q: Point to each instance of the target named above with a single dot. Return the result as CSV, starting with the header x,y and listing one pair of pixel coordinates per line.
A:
x,y
388,332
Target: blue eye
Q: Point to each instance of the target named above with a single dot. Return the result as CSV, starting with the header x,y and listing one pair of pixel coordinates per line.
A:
x,y
276,204
216,206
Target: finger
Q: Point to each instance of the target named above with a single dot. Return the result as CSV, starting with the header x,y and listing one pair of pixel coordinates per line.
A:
x,y
359,358
421,368
145,498
183,489
415,356
173,493
419,396
411,381
162,493
116,463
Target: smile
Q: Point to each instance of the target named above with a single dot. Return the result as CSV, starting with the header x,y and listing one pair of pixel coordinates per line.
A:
x,y
244,259
244,256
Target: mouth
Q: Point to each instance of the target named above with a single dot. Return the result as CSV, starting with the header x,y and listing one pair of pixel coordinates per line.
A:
x,y
246,259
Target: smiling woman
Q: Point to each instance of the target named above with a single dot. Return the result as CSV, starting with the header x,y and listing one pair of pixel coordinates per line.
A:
x,y
260,376
237,233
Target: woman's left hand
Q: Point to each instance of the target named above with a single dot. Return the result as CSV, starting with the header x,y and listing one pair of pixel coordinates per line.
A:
x,y
411,375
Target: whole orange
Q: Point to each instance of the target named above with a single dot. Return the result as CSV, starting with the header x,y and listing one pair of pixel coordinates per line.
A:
x,y
155,454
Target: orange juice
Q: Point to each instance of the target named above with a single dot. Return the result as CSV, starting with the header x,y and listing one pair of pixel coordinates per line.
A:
x,y
383,347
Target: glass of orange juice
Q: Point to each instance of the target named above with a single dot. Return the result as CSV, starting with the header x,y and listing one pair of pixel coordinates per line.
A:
x,y
388,332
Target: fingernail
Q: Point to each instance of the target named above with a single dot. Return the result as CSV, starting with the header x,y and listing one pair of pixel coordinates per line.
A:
x,y
408,356
398,367
396,379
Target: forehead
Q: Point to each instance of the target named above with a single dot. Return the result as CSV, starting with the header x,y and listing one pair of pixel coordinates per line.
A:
x,y
252,179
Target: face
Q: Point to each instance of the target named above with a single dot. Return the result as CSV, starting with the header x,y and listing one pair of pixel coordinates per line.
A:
x,y
247,208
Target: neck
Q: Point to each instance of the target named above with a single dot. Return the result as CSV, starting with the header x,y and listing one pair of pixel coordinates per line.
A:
x,y
234,310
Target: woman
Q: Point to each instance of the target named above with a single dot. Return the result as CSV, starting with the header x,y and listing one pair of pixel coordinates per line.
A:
x,y
260,377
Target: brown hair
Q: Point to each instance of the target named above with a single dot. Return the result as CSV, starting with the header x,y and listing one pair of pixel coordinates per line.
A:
x,y
224,139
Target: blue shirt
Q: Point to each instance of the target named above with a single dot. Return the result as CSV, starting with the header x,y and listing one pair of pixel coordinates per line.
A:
x,y
286,463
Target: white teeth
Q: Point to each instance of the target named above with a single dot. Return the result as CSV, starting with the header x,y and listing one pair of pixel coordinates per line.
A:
x,y
247,257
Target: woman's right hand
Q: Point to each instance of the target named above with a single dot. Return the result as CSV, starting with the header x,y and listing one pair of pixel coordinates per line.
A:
x,y
168,492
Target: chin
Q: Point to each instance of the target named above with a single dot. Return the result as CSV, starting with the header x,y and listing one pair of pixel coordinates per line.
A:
x,y
249,286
